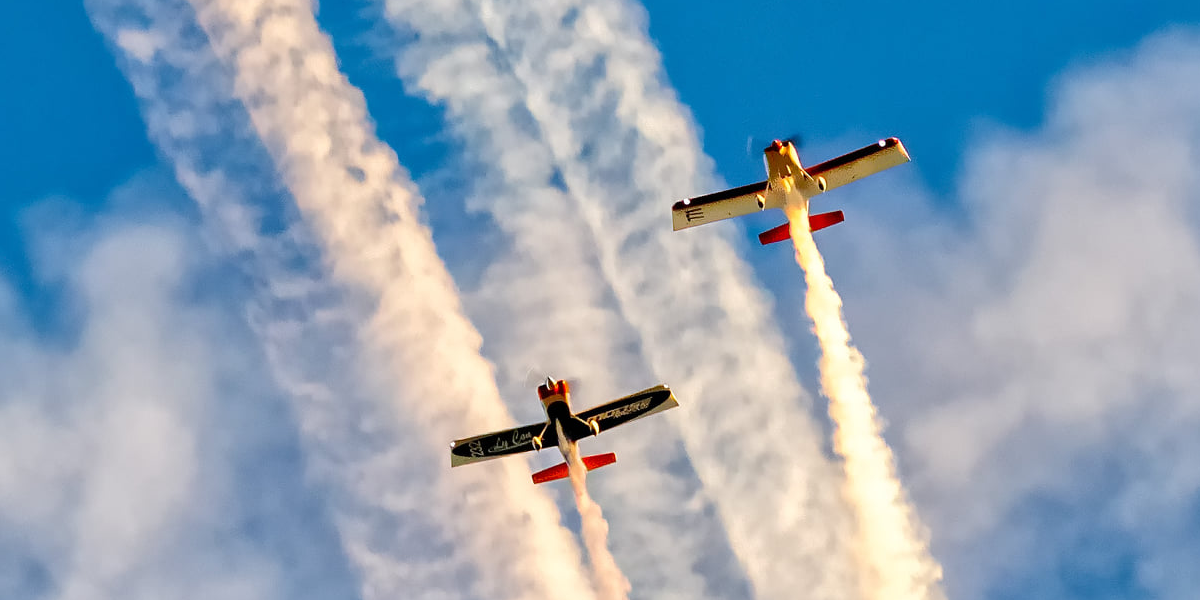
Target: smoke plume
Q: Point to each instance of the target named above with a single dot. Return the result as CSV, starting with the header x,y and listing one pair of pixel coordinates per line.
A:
x,y
587,80
889,546
413,377
611,584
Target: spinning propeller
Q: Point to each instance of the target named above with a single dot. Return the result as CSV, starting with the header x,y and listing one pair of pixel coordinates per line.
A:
x,y
757,143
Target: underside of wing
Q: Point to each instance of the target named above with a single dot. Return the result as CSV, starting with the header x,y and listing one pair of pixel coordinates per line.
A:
x,y
872,159
498,444
733,202
631,407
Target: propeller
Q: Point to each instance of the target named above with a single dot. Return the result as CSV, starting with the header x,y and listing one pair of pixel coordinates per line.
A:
x,y
795,139
757,143
535,377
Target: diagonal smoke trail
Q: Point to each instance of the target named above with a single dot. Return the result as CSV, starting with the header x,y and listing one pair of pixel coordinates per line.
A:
x,y
547,267
592,86
891,547
381,353
610,582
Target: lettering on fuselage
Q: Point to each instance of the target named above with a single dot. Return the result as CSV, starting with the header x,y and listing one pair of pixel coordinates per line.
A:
x,y
476,448
621,411
518,439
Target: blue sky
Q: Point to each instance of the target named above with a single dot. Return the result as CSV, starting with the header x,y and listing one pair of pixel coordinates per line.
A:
x,y
929,73
987,98
942,69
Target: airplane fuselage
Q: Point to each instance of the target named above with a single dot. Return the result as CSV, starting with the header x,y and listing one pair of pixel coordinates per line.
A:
x,y
788,184
556,401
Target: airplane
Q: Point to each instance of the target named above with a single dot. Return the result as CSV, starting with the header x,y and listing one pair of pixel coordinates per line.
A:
x,y
789,183
562,428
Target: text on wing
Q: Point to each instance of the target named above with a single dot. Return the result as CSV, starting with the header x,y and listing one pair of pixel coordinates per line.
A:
x,y
519,438
621,411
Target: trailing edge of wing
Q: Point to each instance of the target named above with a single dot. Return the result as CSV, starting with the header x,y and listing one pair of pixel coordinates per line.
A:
x,y
726,204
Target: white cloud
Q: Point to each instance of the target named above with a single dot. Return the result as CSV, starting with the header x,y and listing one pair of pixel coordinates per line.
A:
x,y
1041,351
142,45
579,87
125,442
360,320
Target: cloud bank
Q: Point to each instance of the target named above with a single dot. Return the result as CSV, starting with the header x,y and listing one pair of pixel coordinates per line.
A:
x,y
358,316
142,454
584,78
1036,352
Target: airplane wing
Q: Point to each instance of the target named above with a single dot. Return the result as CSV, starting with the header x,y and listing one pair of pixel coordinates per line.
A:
x,y
631,407
870,160
730,203
499,443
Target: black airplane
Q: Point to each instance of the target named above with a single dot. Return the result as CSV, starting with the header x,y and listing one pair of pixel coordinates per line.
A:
x,y
562,428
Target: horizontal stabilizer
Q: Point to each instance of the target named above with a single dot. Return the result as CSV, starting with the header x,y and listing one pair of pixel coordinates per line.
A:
x,y
823,220
560,471
774,234
815,222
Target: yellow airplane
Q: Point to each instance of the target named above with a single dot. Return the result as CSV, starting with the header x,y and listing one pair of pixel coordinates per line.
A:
x,y
789,183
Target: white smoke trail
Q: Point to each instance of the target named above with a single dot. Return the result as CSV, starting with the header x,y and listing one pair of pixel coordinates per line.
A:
x,y
592,84
547,267
412,528
610,582
890,545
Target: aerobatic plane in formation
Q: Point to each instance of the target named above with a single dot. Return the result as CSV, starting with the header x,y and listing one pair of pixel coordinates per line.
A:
x,y
789,183
562,428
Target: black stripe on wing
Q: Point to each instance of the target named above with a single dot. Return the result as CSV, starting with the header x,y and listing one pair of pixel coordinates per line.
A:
x,y
499,443
845,159
745,190
635,406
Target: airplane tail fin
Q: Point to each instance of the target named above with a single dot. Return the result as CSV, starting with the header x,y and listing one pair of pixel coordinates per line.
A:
x,y
559,471
815,222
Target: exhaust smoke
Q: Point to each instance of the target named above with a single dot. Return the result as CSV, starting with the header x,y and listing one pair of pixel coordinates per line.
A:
x,y
890,546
